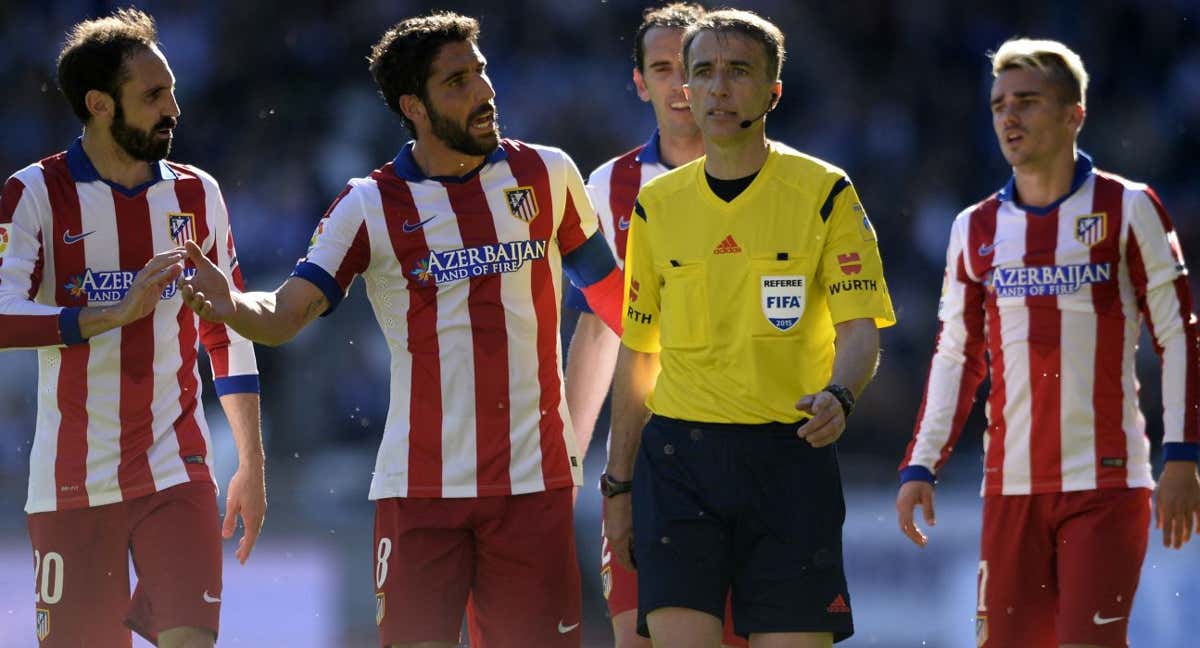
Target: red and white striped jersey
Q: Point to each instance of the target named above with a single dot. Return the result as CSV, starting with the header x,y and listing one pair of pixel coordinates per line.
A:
x,y
613,188
119,415
1055,297
464,275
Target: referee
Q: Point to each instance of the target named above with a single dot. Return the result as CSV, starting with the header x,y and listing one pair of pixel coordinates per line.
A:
x,y
754,291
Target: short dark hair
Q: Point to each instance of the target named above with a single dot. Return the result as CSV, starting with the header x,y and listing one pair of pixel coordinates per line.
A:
x,y
677,15
95,52
401,60
742,22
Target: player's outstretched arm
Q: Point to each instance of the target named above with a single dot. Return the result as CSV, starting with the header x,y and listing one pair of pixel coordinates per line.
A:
x,y
591,360
913,494
246,496
1177,502
270,318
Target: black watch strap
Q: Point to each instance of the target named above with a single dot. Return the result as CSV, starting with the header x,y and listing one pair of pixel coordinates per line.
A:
x,y
844,396
610,487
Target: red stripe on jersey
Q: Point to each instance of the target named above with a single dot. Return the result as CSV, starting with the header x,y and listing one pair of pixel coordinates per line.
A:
x,y
425,382
1191,423
70,463
190,194
356,260
1137,276
1108,389
973,371
982,231
35,277
624,183
10,196
981,237
1045,359
135,244
529,170
489,335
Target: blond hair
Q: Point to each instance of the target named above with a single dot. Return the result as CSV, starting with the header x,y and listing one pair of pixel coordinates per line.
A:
x,y
1061,65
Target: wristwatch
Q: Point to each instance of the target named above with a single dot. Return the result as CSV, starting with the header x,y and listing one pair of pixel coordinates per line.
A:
x,y
844,396
610,487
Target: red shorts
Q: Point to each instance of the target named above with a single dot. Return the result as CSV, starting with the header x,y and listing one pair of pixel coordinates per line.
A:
x,y
1060,568
81,568
620,592
514,556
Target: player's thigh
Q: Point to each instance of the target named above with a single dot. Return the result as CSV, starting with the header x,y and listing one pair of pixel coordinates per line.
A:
x,y
790,576
81,576
677,627
1102,543
527,584
1016,578
176,546
792,640
423,557
681,537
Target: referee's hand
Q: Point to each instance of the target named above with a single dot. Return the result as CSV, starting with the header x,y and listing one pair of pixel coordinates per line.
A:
x,y
828,419
618,528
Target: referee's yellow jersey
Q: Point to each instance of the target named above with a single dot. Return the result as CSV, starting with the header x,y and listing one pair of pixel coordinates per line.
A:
x,y
740,298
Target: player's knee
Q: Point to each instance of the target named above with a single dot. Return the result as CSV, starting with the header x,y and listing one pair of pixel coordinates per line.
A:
x,y
187,637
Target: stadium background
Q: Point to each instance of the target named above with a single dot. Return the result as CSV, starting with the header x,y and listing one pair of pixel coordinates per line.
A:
x,y
278,104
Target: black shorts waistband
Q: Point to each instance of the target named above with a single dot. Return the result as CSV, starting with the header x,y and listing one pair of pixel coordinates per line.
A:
x,y
727,428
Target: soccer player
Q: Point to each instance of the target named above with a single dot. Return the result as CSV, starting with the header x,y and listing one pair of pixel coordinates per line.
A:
x,y
658,77
461,240
1051,277
754,284
121,461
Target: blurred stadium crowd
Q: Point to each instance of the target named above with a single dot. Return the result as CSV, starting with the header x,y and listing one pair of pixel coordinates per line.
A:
x,y
279,106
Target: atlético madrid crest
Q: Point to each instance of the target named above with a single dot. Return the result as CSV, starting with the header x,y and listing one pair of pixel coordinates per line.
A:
x,y
522,203
1090,229
182,227
783,300
43,624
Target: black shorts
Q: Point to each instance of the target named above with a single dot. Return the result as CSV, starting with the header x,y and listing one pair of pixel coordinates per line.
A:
x,y
752,507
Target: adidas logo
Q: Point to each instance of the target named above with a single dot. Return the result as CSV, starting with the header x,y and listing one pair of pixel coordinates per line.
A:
x,y
727,246
838,606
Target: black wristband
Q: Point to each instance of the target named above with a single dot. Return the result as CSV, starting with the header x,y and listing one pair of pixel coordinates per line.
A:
x,y
844,396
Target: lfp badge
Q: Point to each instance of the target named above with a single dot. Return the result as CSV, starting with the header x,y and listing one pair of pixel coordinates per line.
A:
x,y
783,300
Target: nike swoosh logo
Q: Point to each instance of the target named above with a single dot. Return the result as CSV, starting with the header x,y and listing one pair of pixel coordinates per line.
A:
x,y
1099,620
409,229
985,250
69,239
623,224
564,629
210,599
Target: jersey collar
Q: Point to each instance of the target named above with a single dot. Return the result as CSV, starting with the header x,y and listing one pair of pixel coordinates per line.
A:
x,y
650,154
405,166
82,170
1083,170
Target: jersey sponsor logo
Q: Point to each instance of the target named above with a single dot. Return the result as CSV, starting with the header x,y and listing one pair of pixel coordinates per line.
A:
x,y
727,246
1090,229
4,238
72,239
312,242
838,606
981,630
853,285
783,299
634,287
522,203
409,229
43,624
182,227
623,223
209,598
111,286
1039,281
850,263
564,628
380,608
638,316
1099,620
493,258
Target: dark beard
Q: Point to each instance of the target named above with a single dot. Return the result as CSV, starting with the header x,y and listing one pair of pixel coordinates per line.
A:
x,y
140,144
457,137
